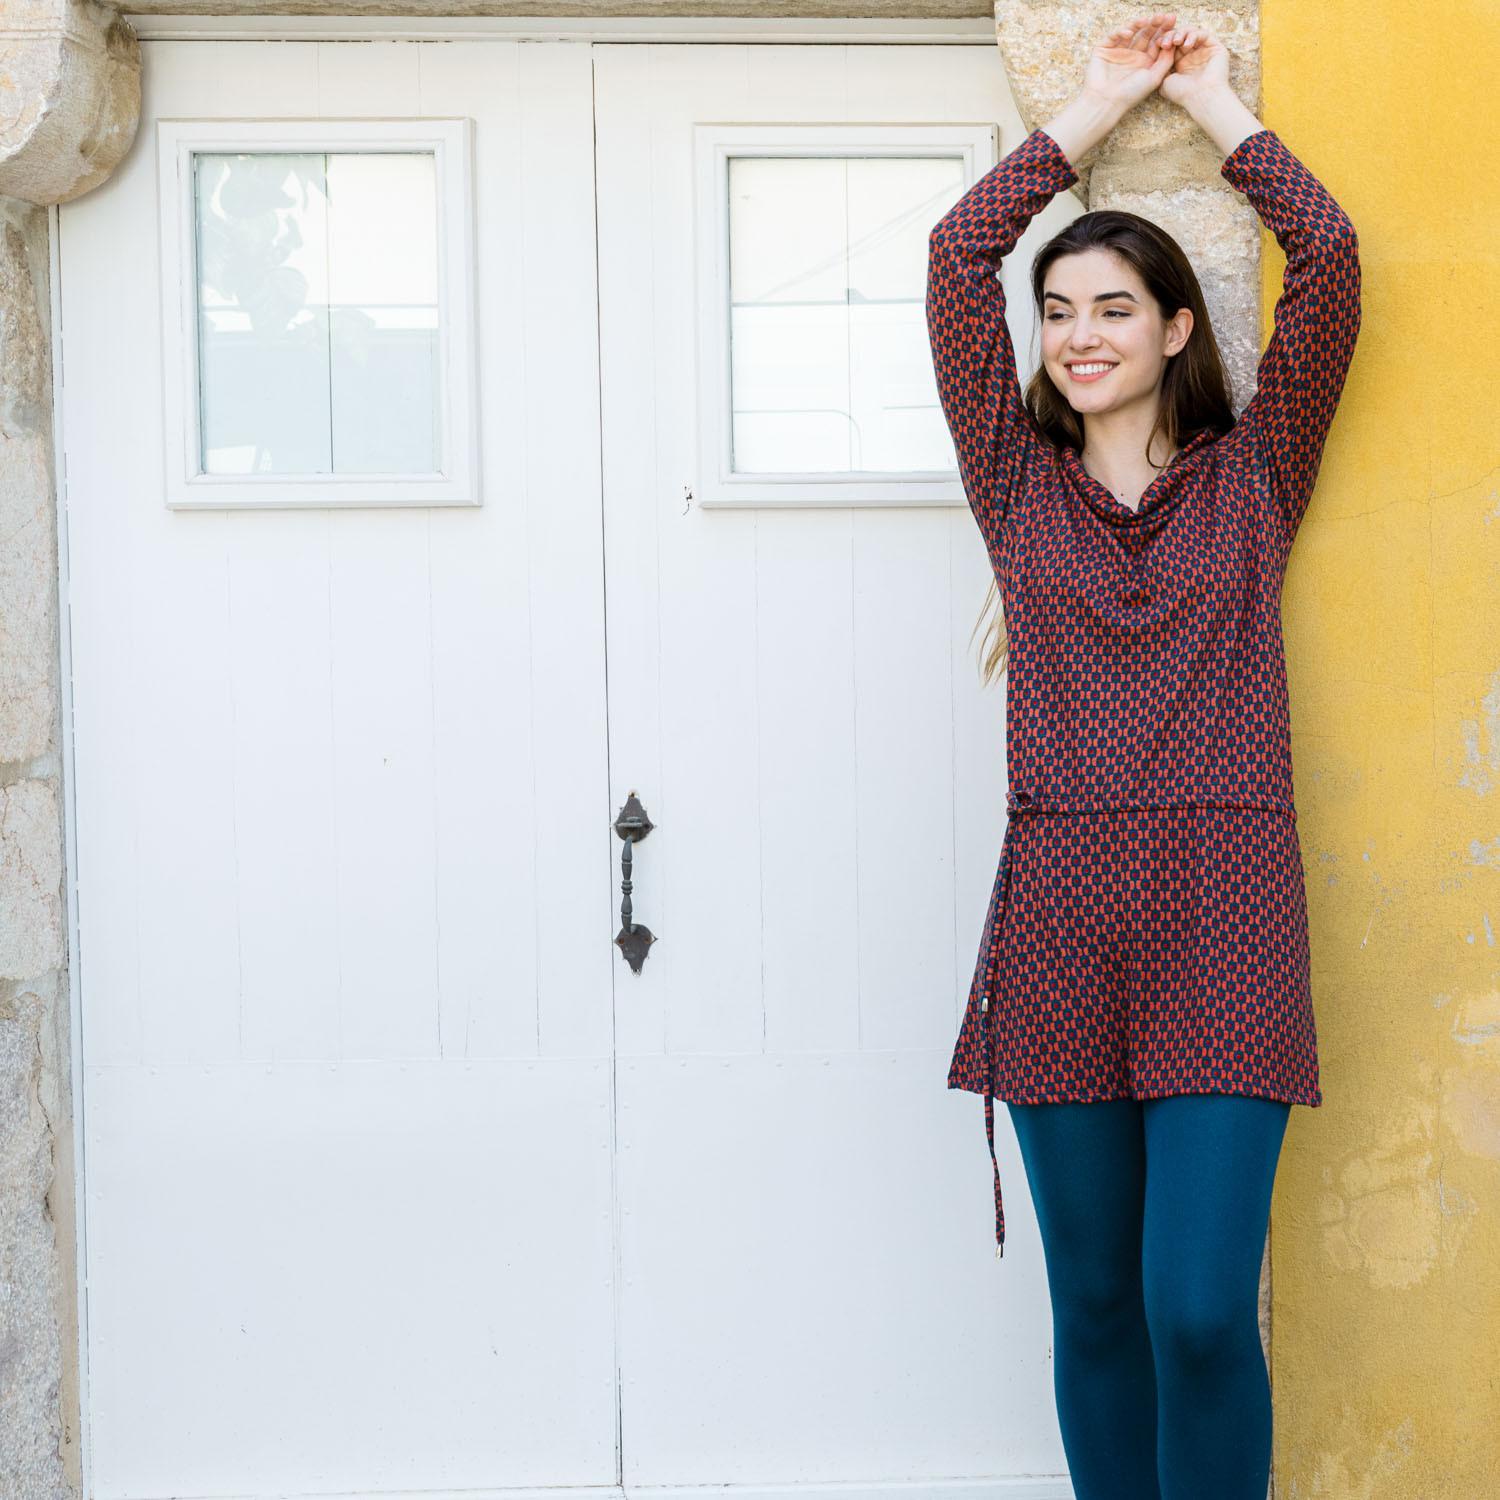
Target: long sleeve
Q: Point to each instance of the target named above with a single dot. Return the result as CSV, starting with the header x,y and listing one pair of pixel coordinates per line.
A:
x,y
972,356
1301,373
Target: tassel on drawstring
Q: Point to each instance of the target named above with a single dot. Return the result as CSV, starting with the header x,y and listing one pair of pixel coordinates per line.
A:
x,y
962,1070
987,1022
989,1131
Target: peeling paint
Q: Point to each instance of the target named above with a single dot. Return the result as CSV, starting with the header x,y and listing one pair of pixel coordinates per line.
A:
x,y
1473,1113
1484,854
1481,737
1478,1020
1390,1219
1341,1474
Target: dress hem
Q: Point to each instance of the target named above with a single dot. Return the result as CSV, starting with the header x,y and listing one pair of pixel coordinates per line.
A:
x,y
1280,1096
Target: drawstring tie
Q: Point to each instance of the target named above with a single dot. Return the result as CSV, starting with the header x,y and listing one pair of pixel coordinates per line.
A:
x,y
1022,803
1015,803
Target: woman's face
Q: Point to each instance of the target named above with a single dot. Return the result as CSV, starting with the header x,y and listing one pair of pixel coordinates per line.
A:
x,y
1096,312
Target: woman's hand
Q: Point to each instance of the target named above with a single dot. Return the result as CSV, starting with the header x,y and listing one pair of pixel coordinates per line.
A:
x,y
1200,64
1130,62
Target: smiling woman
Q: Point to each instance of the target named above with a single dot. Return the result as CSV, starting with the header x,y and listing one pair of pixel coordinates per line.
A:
x,y
1146,937
1119,305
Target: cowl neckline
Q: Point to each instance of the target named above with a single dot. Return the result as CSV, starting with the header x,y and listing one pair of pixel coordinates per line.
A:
x,y
1158,498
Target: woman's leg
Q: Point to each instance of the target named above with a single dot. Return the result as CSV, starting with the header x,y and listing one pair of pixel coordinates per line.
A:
x,y
1210,1164
1086,1167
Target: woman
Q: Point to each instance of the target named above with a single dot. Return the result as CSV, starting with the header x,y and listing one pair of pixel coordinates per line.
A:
x,y
1144,967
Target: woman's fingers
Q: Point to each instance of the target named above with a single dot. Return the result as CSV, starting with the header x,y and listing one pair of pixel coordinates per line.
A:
x,y
1144,36
1150,24
1153,41
1185,37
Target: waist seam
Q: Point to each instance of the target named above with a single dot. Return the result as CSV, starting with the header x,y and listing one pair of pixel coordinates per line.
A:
x,y
1037,803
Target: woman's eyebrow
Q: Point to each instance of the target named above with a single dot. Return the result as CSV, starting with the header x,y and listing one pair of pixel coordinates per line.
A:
x,y
1102,297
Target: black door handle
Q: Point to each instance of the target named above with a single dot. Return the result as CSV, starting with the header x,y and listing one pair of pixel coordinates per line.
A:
x,y
635,938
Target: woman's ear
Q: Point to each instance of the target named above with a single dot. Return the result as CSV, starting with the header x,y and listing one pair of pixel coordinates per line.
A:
x,y
1178,330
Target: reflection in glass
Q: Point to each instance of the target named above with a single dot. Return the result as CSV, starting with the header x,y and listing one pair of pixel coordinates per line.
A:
x,y
318,348
830,365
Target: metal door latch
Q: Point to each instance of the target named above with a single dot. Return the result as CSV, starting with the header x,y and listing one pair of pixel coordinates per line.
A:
x,y
635,938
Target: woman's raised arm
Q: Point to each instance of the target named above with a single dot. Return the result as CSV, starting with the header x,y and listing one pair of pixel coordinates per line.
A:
x,y
972,356
1301,373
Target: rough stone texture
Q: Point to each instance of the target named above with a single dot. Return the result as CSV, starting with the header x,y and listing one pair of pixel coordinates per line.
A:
x,y
70,97
38,1412
31,909
38,1293
28,529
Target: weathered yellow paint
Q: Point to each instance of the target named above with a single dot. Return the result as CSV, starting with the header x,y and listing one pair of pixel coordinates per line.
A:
x,y
1386,1219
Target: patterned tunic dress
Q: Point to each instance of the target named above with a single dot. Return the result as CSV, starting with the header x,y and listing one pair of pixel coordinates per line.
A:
x,y
1147,931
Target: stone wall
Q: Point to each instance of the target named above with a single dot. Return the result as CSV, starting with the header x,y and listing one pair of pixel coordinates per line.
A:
x,y
37,1293
69,100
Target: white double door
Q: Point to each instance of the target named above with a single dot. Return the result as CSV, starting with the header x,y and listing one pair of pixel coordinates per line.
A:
x,y
396,1176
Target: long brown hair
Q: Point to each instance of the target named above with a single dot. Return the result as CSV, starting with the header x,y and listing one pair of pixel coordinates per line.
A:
x,y
1195,387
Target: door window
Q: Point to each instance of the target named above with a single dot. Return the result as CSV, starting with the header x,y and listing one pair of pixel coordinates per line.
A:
x,y
812,270
830,370
317,313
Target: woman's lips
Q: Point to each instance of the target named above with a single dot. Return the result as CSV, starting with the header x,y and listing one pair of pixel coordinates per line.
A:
x,y
1085,379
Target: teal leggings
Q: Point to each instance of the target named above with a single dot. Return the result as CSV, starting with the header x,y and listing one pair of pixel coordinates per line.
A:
x,y
1153,1217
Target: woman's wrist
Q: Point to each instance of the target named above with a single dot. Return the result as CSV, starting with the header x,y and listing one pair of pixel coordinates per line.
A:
x,y
1220,115
1083,122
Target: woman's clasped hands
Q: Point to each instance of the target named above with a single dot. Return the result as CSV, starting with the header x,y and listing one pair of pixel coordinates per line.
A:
x,y
1154,52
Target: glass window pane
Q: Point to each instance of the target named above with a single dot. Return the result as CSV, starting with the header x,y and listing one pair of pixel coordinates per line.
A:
x,y
830,366
318,338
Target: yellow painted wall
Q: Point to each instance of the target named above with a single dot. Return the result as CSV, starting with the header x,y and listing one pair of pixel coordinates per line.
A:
x,y
1386,1219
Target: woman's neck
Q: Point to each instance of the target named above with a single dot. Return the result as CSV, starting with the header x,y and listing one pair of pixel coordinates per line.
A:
x,y
1114,453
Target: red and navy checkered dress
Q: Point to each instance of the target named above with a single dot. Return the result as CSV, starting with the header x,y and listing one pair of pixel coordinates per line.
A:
x,y
1147,931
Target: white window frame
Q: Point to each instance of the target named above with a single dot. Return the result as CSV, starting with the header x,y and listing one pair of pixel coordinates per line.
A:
x,y
714,145
186,485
